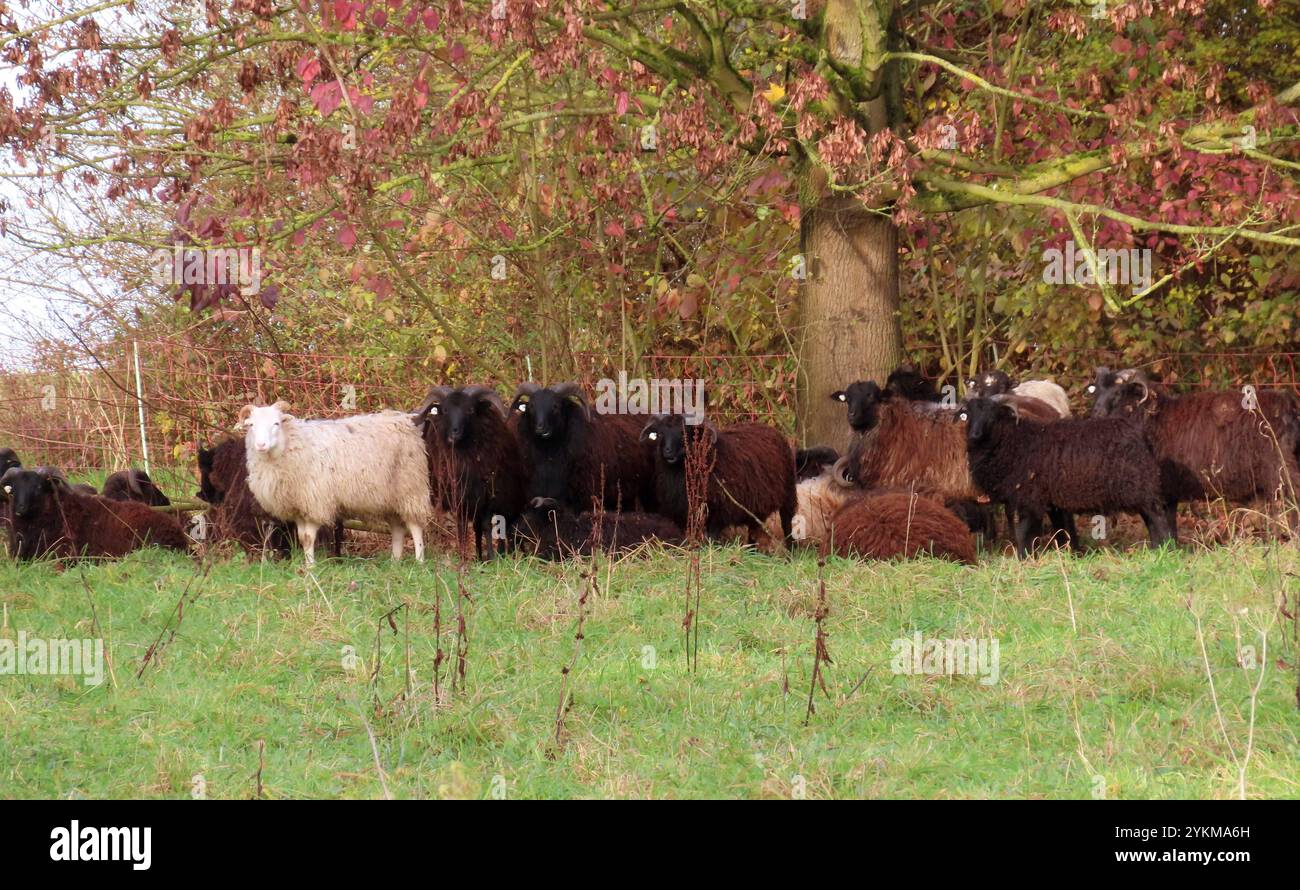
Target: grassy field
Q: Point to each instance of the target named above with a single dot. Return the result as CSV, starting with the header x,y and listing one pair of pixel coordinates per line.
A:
x,y
1101,689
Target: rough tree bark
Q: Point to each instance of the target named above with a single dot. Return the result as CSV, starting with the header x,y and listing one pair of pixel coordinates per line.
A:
x,y
848,318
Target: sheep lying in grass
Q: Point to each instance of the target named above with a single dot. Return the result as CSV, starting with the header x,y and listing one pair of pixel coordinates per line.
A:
x,y
550,530
1210,444
134,485
48,517
889,525
1074,466
312,472
751,475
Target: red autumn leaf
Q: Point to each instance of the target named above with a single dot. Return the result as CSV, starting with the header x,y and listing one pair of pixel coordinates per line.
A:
x,y
308,69
431,19
620,103
614,229
326,97
503,228
347,237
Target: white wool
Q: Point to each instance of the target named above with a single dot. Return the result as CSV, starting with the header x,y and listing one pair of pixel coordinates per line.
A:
x,y
819,498
370,467
1046,391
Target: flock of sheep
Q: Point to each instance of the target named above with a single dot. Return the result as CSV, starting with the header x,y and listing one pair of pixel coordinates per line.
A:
x,y
548,476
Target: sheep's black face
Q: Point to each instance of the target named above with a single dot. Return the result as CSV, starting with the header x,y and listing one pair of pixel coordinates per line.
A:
x,y
8,460
546,415
28,491
863,400
673,438
981,416
454,418
990,383
906,382
207,488
1122,399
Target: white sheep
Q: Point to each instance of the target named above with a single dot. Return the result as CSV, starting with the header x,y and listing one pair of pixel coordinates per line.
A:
x,y
314,472
1046,391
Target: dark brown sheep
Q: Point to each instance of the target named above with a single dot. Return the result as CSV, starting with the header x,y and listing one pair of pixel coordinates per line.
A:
x,y
475,468
235,514
1073,466
134,485
550,530
1209,444
893,524
751,475
578,456
50,518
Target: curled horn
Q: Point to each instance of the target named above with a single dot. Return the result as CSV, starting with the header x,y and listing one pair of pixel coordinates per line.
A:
x,y
434,396
523,393
1146,391
573,393
489,395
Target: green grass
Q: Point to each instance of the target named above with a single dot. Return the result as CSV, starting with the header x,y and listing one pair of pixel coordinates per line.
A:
x,y
1100,676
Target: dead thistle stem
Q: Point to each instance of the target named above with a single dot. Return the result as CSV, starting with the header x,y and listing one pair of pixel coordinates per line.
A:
x,y
821,654
379,630
156,647
374,752
589,584
94,624
699,465
258,790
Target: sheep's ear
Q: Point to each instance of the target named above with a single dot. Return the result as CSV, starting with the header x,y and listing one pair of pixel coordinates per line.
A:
x,y
244,413
840,395
133,483
435,396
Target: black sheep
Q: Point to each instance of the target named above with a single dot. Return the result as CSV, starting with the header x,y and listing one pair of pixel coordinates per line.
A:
x,y
475,468
235,514
751,473
47,517
1209,444
577,456
8,460
134,485
1070,466
907,382
550,530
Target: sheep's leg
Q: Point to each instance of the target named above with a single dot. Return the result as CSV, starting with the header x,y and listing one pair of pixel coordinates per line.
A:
x,y
417,539
338,538
1171,520
1028,525
1063,522
1011,521
1157,523
307,540
399,538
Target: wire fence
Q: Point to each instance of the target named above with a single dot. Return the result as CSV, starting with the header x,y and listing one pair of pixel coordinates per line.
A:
x,y
84,416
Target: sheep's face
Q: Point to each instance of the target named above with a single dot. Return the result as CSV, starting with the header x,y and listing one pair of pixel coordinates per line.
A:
x,y
1121,393
906,382
264,427
990,383
673,438
981,416
8,460
546,414
28,490
207,488
453,418
863,401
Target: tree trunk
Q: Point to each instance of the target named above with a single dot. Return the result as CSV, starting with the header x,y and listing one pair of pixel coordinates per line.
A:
x,y
848,312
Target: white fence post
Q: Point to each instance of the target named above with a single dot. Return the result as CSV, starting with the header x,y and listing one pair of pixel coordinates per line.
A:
x,y
139,403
